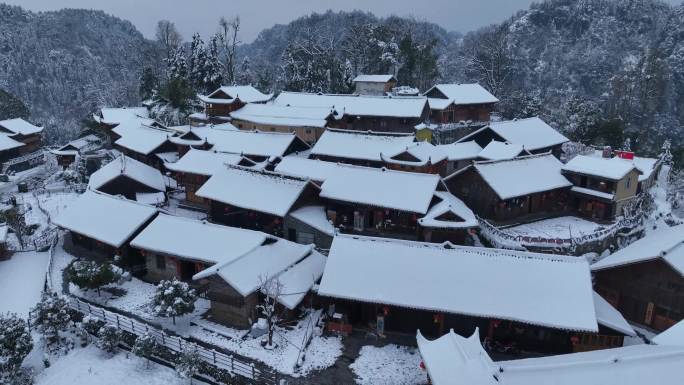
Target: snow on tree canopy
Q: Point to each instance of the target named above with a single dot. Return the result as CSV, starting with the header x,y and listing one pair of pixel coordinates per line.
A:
x,y
472,281
131,168
108,219
361,145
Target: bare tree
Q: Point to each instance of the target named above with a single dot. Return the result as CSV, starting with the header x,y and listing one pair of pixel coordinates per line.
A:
x,y
229,37
168,36
489,59
272,289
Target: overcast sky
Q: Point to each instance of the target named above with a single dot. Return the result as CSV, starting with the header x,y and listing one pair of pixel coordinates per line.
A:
x,y
202,15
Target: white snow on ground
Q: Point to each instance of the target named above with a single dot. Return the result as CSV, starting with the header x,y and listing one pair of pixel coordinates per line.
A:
x,y
561,227
388,365
21,282
92,366
60,261
54,203
320,354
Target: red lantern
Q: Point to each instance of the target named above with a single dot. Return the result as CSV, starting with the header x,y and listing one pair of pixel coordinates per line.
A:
x,y
422,365
385,310
574,340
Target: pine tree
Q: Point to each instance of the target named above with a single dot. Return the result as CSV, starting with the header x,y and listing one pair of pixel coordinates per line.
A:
x,y
177,64
51,316
213,68
108,338
197,62
145,347
148,83
15,343
92,275
174,298
188,363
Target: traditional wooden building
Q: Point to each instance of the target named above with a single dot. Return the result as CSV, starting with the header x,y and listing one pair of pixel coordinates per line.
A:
x,y
67,154
364,113
360,148
405,286
645,280
515,190
254,199
533,134
374,84
24,132
228,265
101,226
130,178
602,187
501,151
459,155
308,123
143,142
453,103
421,157
196,167
9,148
219,104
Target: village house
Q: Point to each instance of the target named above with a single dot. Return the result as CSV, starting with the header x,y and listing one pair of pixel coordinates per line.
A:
x,y
112,117
101,226
360,148
454,357
308,123
145,143
419,157
219,104
196,167
602,187
364,112
67,154
374,84
645,280
515,190
255,199
533,134
130,178
24,132
649,167
9,148
406,286
459,155
228,265
501,151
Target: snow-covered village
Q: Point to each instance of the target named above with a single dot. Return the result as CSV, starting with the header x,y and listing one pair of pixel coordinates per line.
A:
x,y
342,194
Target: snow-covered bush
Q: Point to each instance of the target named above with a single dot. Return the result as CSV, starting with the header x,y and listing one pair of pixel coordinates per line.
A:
x,y
89,326
51,316
15,343
174,298
145,346
92,275
188,363
108,338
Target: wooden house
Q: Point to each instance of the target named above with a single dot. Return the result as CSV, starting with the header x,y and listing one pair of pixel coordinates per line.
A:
x,y
9,148
514,190
501,151
219,104
363,112
108,118
254,199
602,187
459,155
374,84
196,167
67,154
101,226
308,123
405,286
23,132
228,265
143,142
360,148
421,157
453,103
533,134
130,178
645,280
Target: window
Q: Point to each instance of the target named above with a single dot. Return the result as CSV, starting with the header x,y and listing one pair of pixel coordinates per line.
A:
x,y
161,262
628,182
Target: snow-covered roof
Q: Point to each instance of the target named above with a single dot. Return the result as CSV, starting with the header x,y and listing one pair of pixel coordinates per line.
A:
x,y
460,94
357,105
500,150
374,78
522,176
153,198
449,213
82,143
556,290
674,335
197,240
20,126
610,317
300,278
609,168
247,94
461,150
283,115
418,153
645,165
202,162
360,145
246,272
131,168
7,143
140,138
532,133
592,192
226,138
314,169
315,217
666,243
454,360
380,187
261,191
120,115
108,219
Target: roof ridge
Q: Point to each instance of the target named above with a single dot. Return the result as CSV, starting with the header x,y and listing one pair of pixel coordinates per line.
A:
x,y
519,158
371,132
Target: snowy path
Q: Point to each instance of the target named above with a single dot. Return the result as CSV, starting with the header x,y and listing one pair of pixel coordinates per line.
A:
x,y
21,281
562,227
388,365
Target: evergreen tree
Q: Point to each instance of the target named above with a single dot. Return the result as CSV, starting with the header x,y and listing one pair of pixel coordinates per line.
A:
x,y
92,275
15,343
197,63
188,363
51,316
244,73
145,346
173,298
177,65
108,338
213,67
11,107
148,83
